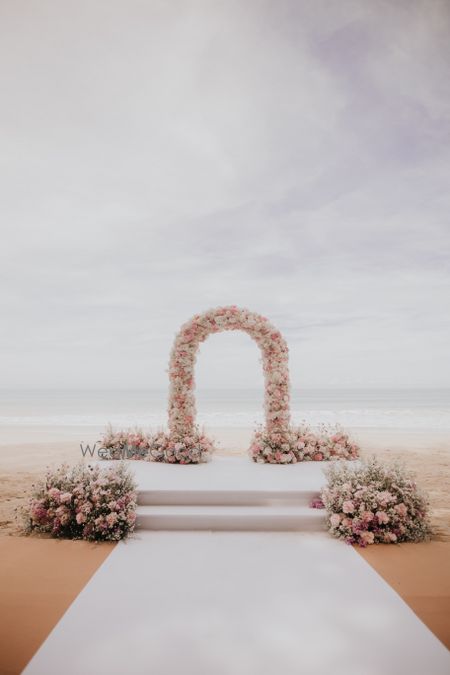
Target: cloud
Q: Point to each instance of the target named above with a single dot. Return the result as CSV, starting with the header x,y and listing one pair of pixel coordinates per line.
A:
x,y
161,159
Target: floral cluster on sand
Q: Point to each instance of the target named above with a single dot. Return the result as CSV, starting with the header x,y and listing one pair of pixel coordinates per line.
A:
x,y
156,446
374,503
192,448
279,447
297,444
83,502
328,443
302,444
125,444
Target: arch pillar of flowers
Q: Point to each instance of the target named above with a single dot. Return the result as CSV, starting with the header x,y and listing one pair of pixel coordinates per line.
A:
x,y
182,410
274,350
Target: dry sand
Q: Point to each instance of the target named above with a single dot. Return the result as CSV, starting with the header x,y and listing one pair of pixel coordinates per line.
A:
x,y
420,573
39,580
427,455
20,466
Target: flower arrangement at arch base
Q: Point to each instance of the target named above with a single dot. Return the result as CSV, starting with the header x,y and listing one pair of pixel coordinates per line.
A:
x,y
301,444
297,444
191,448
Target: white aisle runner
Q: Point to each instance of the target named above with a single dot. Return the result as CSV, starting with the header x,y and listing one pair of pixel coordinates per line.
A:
x,y
238,603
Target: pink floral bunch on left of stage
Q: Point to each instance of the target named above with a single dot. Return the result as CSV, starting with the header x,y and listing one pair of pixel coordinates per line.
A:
x,y
83,502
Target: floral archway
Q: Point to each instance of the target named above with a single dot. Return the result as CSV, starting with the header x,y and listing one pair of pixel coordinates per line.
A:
x,y
182,409
277,442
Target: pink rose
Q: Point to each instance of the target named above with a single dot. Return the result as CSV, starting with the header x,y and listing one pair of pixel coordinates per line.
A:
x,y
382,517
367,537
318,457
335,519
348,506
401,510
384,497
111,519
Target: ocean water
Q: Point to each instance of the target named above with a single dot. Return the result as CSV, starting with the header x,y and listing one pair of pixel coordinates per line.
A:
x,y
414,409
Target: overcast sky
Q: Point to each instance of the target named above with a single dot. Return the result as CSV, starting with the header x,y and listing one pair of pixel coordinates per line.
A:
x,y
161,158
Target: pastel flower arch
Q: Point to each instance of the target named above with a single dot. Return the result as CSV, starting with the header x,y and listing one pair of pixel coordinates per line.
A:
x,y
277,442
274,350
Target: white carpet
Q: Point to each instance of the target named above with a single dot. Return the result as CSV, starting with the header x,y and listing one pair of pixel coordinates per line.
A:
x,y
227,603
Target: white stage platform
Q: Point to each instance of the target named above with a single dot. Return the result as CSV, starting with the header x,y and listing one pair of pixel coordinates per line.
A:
x,y
228,476
223,603
228,493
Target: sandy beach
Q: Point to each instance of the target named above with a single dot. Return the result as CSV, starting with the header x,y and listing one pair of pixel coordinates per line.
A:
x,y
427,454
418,572
222,217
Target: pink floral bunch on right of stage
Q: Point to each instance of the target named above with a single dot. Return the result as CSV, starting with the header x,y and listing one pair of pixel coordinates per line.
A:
x,y
370,503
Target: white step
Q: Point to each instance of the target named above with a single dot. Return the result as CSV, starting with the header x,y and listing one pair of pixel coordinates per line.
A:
x,y
227,497
224,474
264,518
